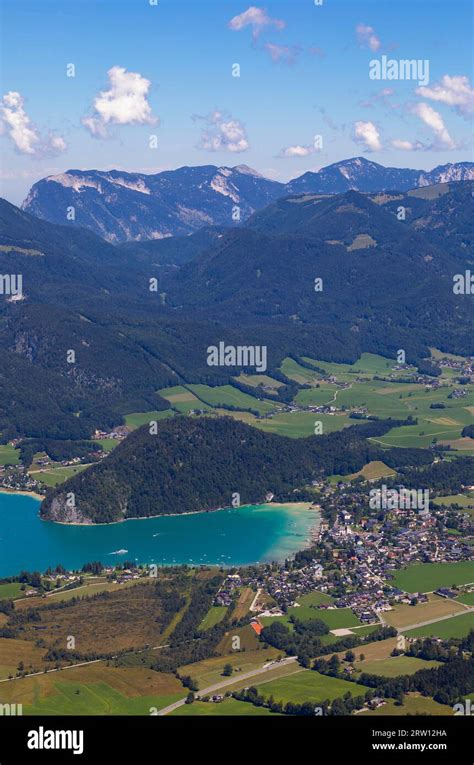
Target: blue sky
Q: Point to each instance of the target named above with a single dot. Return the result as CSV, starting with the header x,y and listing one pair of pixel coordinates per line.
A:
x,y
165,70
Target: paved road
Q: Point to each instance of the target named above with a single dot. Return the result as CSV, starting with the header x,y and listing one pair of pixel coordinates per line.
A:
x,y
230,681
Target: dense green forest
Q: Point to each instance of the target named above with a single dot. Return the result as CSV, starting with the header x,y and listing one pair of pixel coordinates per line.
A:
x,y
193,464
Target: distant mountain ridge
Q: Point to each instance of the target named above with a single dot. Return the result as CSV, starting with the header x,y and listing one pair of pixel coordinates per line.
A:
x,y
121,207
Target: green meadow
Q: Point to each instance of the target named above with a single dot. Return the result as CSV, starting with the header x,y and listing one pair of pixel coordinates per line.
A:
x,y
136,419
427,577
455,627
223,395
307,685
9,455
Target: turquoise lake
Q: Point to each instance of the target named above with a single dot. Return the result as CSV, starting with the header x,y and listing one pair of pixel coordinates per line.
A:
x,y
250,534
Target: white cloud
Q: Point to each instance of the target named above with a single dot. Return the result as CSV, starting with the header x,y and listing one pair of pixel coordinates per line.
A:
x,y
367,133
223,133
282,52
453,91
366,37
398,143
298,151
433,119
257,18
15,121
125,103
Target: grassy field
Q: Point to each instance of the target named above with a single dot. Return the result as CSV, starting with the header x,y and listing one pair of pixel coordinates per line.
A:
x,y
182,399
94,690
336,618
436,608
467,598
136,419
213,617
414,704
464,500
256,380
91,587
230,396
228,707
127,618
457,627
13,651
373,471
209,671
314,599
307,685
56,475
427,577
395,666
248,640
300,424
11,590
243,604
9,455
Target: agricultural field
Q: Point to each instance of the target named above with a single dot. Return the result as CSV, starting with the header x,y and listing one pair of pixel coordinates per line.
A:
x,y
427,577
230,396
248,640
262,380
377,651
467,598
213,617
13,651
9,455
11,590
299,374
455,627
436,608
94,690
335,618
413,704
314,599
52,476
182,399
228,707
209,671
299,424
395,666
243,604
108,623
137,419
373,471
463,500
307,685
90,587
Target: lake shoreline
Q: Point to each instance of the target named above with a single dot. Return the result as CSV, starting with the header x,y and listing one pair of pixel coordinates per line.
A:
x,y
23,493
268,505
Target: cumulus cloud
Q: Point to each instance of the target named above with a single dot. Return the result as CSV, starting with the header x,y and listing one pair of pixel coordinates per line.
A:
x,y
124,103
297,151
453,91
282,52
222,132
27,140
367,134
434,121
382,97
257,19
399,143
367,38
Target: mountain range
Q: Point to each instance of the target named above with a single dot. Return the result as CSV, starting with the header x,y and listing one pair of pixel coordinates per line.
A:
x,y
120,206
387,283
